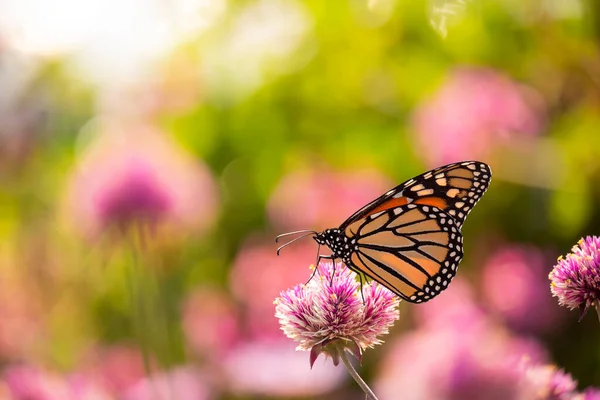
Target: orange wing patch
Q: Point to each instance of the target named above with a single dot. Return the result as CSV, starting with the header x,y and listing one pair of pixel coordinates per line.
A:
x,y
432,201
391,203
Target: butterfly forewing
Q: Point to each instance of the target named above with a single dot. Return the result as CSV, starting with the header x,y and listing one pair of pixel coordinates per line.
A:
x,y
413,250
453,188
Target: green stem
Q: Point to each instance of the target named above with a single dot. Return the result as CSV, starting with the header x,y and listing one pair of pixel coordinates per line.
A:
x,y
598,308
365,388
137,308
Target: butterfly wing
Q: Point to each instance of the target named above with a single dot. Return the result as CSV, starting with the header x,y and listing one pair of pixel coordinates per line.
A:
x,y
453,188
413,250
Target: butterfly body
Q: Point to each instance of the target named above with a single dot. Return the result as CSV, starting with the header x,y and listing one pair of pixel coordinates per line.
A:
x,y
409,239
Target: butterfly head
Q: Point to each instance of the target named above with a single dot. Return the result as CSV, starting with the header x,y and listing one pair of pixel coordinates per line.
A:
x,y
328,237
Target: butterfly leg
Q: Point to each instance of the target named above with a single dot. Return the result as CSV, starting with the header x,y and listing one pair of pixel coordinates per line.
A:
x,y
362,293
319,258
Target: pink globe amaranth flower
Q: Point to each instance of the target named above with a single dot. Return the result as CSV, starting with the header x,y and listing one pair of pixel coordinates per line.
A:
x,y
329,310
210,323
319,199
258,275
270,367
476,110
514,286
575,279
181,383
132,174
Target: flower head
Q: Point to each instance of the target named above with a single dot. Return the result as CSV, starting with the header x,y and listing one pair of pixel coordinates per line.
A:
x,y
475,111
523,269
548,382
575,279
329,313
132,174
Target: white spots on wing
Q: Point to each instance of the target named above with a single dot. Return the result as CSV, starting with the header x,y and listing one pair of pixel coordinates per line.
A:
x,y
418,187
472,167
441,181
459,204
452,212
452,193
425,192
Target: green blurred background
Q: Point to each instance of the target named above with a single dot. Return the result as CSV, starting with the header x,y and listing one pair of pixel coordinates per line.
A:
x,y
150,151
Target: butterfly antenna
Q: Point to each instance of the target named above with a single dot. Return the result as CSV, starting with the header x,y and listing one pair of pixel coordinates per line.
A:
x,y
293,233
294,240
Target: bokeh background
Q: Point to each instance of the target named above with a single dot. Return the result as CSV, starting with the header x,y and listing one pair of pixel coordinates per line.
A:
x,y
150,151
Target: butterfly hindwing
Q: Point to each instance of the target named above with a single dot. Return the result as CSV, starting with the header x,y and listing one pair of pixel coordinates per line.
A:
x,y
413,250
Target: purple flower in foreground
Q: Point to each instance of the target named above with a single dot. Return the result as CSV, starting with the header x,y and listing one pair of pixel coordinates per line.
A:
x,y
575,279
328,314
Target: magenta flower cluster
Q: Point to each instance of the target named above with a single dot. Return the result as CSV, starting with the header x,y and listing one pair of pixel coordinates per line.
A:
x,y
330,311
575,279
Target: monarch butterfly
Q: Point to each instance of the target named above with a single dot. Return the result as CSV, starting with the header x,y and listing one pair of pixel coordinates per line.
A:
x,y
409,239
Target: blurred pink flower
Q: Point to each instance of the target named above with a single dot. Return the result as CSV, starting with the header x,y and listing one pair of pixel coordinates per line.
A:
x,y
258,276
455,306
117,367
319,199
210,322
273,368
31,383
548,382
589,394
515,287
476,110
182,383
461,355
133,174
